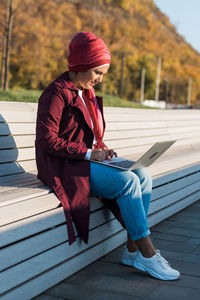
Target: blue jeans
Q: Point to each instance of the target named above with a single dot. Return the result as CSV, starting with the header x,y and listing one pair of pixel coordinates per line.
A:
x,y
132,191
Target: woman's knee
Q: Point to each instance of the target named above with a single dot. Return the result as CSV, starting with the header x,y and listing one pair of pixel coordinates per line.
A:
x,y
130,181
130,189
148,179
132,177
145,178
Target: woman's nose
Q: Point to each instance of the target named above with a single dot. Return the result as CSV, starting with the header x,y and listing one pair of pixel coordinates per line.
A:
x,y
100,78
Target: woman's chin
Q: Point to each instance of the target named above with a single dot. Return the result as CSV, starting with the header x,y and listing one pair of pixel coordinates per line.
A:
x,y
88,86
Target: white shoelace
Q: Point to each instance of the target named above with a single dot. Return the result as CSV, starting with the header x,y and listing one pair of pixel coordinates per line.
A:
x,y
164,263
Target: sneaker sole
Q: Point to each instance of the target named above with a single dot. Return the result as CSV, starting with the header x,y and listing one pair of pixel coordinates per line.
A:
x,y
142,268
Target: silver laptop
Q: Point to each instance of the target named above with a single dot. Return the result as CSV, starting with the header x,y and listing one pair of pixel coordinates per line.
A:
x,y
144,161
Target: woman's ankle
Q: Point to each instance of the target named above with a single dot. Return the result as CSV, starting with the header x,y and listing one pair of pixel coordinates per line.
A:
x,y
131,249
146,247
131,245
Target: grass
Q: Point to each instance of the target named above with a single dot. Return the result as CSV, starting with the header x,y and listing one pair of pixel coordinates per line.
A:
x,y
20,95
118,102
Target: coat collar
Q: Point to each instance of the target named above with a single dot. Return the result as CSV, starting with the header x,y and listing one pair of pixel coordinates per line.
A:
x,y
67,82
78,102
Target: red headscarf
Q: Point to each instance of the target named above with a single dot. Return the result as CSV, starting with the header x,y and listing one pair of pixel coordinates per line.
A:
x,y
86,51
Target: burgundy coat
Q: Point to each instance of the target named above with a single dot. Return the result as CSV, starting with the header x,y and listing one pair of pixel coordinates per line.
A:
x,y
63,135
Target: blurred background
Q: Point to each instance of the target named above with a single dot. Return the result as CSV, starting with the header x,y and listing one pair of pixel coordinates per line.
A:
x,y
150,59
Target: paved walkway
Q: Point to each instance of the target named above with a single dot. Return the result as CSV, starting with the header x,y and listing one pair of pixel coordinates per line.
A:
x,y
178,238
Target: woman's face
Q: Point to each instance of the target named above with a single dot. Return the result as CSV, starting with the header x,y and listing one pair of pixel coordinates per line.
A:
x,y
91,77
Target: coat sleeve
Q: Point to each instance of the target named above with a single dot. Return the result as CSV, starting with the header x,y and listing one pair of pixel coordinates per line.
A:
x,y
50,109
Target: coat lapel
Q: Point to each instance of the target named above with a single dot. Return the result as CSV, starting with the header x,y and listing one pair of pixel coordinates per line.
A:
x,y
78,102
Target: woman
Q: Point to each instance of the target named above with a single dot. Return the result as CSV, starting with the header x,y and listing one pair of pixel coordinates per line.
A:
x,y
70,127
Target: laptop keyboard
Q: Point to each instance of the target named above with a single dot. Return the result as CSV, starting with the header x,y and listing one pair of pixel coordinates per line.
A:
x,y
123,164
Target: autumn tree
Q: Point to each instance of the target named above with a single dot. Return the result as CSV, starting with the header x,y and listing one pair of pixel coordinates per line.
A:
x,y
2,39
41,31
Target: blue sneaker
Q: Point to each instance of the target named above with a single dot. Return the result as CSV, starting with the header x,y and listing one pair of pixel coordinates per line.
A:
x,y
156,266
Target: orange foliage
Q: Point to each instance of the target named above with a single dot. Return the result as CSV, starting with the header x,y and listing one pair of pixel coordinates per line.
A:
x,y
42,30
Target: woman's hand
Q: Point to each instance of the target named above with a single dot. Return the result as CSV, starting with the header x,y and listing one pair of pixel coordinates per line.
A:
x,y
102,154
110,153
98,154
